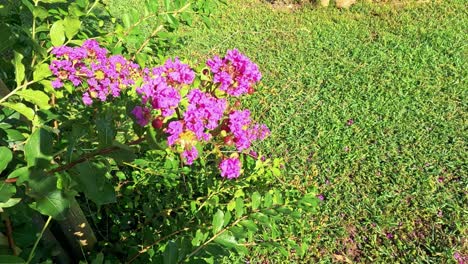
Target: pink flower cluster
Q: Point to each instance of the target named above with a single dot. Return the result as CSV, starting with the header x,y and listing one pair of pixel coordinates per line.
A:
x,y
205,115
244,131
161,86
200,116
235,73
89,66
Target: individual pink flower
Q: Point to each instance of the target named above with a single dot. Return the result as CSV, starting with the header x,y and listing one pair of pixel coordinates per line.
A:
x,y
230,168
174,129
235,73
190,155
142,115
177,72
203,113
240,125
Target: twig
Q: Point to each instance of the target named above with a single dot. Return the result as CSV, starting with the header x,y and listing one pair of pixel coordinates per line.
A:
x,y
91,155
31,255
215,236
16,90
148,40
9,234
159,28
156,242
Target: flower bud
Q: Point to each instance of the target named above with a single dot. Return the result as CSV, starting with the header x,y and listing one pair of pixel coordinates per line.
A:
x,y
223,133
157,123
229,141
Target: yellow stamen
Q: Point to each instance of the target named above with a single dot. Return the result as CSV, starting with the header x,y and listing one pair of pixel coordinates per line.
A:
x,y
99,75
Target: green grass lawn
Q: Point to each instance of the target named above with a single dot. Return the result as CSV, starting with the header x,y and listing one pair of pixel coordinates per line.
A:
x,y
369,105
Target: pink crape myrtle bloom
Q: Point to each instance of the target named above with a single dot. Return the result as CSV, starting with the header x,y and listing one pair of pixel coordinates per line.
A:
x,y
230,168
162,84
142,115
240,125
89,64
235,73
202,115
204,112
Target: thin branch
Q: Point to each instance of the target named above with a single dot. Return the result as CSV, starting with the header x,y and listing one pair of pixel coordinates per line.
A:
x,y
215,236
156,242
31,255
15,91
148,40
94,4
159,28
9,234
92,155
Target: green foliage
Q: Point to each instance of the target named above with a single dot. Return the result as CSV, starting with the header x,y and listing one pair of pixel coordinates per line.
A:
x,y
55,151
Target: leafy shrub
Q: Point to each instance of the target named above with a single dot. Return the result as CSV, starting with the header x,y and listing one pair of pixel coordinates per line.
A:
x,y
75,126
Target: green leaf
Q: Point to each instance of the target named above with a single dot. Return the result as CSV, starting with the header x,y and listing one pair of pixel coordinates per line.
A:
x,y
309,201
53,204
41,72
227,218
28,4
6,156
38,148
93,182
10,203
40,12
198,239
173,22
226,239
105,129
141,59
7,190
250,225
20,174
239,207
99,259
54,1
231,205
10,259
284,210
21,108
126,20
14,135
19,68
167,5
153,6
57,34
238,231
39,183
218,221
262,218
38,98
72,26
268,200
171,254
256,200
123,154
83,3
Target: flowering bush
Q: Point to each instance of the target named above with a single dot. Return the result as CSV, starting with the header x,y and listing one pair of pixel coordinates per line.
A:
x,y
188,115
105,126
